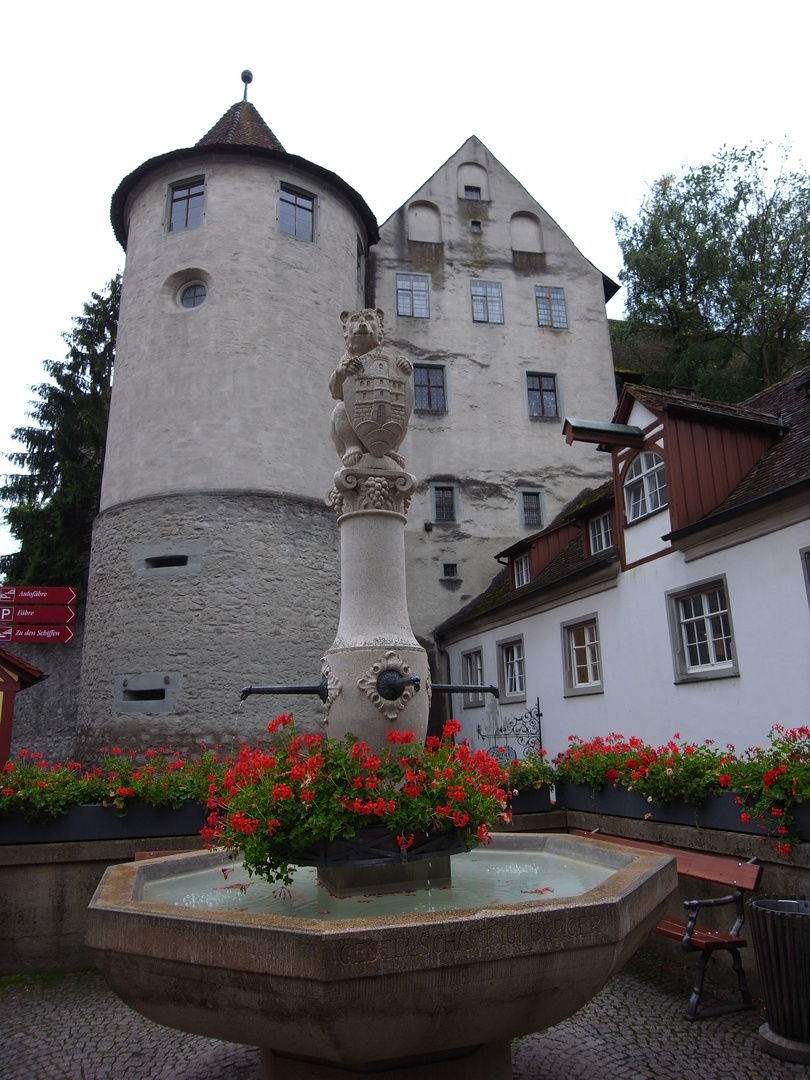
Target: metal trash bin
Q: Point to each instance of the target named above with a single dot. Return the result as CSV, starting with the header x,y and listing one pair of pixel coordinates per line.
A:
x,y
780,933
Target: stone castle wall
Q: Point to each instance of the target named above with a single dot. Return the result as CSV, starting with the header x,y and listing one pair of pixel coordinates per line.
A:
x,y
45,714
257,601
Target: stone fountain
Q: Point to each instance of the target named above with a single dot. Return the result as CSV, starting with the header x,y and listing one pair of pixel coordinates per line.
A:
x,y
432,982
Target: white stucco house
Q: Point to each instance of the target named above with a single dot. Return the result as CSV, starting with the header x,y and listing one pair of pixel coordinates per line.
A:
x,y
673,599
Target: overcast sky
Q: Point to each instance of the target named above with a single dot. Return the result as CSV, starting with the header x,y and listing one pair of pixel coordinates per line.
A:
x,y
585,104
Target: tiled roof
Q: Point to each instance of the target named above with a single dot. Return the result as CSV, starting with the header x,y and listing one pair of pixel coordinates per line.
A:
x,y
241,125
26,672
673,400
566,564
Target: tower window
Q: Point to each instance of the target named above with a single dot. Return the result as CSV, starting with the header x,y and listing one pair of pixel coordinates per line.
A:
x,y
193,295
475,226
186,208
296,213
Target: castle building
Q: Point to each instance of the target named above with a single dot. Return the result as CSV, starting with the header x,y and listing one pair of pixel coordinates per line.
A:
x,y
215,558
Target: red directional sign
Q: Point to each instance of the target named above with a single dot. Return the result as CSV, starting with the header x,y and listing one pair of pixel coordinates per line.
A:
x,y
37,594
22,613
36,635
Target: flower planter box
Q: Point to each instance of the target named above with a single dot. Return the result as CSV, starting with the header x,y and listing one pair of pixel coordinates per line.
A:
x,y
380,847
718,812
617,801
103,823
374,859
531,801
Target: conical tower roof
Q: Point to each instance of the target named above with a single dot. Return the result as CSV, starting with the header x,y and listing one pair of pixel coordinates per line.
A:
x,y
240,132
241,125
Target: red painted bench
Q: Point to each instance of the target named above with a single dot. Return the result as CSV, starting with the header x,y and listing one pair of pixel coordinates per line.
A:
x,y
742,877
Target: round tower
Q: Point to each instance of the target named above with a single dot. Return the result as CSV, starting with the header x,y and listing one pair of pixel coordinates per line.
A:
x,y
215,560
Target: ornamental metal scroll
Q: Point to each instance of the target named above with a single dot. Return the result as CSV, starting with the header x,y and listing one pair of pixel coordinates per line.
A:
x,y
517,738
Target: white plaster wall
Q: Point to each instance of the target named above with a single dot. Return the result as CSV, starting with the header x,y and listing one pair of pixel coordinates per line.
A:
x,y
771,625
233,394
486,442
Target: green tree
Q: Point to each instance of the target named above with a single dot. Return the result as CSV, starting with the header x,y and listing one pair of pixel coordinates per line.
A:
x,y
51,503
717,272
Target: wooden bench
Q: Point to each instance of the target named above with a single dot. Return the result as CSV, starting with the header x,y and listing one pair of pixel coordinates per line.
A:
x,y
742,877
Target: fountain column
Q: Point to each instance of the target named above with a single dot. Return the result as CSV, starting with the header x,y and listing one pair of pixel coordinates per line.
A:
x,y
376,672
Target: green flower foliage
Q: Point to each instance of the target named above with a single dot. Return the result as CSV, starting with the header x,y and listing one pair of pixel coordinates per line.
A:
x,y
532,771
41,791
275,803
767,781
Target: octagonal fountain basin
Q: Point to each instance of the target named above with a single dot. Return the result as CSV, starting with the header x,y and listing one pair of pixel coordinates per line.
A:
x,y
432,982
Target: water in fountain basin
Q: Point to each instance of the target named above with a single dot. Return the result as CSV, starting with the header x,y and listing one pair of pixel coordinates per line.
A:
x,y
483,878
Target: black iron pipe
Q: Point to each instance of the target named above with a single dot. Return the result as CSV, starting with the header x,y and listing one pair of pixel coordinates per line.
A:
x,y
321,689
465,688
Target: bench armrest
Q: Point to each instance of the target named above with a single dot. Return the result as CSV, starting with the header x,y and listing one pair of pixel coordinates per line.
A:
x,y
693,909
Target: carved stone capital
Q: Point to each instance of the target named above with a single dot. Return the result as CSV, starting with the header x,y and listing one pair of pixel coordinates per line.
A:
x,y
357,489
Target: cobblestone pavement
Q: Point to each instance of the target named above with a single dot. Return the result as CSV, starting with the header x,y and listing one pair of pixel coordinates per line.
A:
x,y
74,1028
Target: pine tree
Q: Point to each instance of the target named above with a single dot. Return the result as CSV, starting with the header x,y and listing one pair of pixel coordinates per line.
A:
x,y
50,505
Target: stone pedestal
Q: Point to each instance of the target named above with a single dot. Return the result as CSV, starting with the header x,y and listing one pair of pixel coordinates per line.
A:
x,y
374,643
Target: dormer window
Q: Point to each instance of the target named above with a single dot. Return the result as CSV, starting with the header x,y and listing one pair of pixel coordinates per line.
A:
x,y
521,570
645,486
601,533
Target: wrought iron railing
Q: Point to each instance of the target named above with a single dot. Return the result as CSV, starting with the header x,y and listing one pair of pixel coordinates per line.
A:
x,y
517,738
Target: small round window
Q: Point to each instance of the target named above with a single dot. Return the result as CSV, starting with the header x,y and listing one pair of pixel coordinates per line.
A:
x,y
193,295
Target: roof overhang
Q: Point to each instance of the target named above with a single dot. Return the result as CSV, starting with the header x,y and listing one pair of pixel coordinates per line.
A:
x,y
604,435
291,161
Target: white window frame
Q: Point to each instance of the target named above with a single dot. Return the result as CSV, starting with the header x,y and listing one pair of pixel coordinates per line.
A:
x,y
472,668
581,641
298,193
554,315
804,555
486,298
702,641
406,293
645,486
420,408
520,570
542,392
600,532
512,670
433,511
540,508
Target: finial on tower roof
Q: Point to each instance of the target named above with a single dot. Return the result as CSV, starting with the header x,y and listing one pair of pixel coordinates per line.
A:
x,y
247,79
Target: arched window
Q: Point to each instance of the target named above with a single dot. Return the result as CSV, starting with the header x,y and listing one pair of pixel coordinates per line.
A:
x,y
645,486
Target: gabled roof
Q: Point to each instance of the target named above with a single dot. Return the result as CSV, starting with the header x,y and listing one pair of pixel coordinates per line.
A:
x,y
469,146
241,125
240,131
679,403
